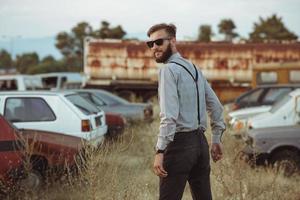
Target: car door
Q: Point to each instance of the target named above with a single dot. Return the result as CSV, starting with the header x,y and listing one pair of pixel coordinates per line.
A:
x,y
10,149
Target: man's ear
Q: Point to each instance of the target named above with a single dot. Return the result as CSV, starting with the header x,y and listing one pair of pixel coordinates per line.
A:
x,y
173,40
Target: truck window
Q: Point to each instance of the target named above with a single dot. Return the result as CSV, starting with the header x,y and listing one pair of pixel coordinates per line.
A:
x,y
28,110
266,78
294,76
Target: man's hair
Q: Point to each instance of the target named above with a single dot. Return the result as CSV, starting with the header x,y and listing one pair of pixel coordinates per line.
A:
x,y
169,28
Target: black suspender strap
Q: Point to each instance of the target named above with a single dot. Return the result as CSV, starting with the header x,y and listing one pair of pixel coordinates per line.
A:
x,y
195,81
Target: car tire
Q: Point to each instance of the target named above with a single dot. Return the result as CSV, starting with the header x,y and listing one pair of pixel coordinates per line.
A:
x,y
32,181
286,161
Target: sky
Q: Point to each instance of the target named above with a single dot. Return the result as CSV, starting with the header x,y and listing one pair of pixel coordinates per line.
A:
x,y
22,19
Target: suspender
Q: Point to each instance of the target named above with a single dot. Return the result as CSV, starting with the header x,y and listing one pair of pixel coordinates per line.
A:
x,y
195,81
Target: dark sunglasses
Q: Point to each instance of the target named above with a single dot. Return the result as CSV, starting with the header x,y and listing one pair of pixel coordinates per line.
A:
x,y
158,42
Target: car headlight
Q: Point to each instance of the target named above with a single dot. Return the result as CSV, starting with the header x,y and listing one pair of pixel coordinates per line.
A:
x,y
239,125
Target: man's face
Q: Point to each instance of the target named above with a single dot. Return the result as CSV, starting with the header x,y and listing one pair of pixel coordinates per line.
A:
x,y
160,46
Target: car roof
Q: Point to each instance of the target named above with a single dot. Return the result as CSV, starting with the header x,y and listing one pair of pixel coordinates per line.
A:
x,y
37,92
295,93
278,86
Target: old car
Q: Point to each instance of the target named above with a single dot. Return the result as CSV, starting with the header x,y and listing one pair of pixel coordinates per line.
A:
x,y
26,155
237,119
61,112
263,95
109,102
279,146
19,82
115,125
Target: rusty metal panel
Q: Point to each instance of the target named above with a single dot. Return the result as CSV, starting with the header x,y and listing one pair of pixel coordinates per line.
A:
x,y
116,59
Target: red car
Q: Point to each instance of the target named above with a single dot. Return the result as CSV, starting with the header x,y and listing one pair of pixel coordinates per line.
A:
x,y
26,154
115,124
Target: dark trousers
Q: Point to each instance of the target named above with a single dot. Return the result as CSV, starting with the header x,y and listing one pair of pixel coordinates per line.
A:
x,y
186,159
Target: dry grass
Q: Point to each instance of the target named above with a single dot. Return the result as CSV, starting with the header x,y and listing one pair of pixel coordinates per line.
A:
x,y
123,170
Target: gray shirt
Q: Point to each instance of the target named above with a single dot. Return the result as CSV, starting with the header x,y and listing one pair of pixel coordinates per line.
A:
x,y
178,102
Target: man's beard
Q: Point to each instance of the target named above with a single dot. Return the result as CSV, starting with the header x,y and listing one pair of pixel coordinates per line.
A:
x,y
165,55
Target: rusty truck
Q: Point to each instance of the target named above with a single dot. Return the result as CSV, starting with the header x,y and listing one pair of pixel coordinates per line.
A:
x,y
128,69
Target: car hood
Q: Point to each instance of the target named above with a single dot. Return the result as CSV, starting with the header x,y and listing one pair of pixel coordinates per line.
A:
x,y
249,112
276,132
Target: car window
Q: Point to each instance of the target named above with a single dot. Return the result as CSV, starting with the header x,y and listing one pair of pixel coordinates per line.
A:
x,y
8,84
28,110
85,106
280,103
109,98
294,76
274,94
92,98
253,97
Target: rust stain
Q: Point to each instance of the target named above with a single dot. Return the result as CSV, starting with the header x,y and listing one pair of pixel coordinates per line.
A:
x,y
211,57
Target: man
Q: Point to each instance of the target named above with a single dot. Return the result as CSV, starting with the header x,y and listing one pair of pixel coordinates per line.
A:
x,y
182,152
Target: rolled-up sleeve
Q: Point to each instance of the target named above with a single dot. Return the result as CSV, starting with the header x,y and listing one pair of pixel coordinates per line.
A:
x,y
215,112
169,107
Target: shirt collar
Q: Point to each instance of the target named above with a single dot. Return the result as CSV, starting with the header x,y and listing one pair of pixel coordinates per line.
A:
x,y
173,57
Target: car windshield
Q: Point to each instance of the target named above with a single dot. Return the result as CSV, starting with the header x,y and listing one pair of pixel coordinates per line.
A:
x,y
85,106
110,99
280,103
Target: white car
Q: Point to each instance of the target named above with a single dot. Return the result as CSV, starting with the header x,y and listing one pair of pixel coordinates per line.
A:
x,y
61,112
285,112
238,119
20,82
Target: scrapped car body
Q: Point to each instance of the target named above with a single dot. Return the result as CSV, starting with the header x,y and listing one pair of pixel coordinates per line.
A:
x,y
238,119
275,145
61,80
115,125
61,112
285,112
19,83
25,155
133,112
263,95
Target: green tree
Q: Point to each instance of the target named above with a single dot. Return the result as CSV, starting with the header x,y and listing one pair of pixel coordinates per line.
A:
x,y
205,33
6,61
271,29
26,61
226,27
106,32
71,45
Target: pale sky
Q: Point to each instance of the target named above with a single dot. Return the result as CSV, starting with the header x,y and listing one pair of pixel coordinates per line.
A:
x,y
41,18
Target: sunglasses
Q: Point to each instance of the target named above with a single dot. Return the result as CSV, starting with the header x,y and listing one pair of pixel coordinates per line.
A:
x,y
158,42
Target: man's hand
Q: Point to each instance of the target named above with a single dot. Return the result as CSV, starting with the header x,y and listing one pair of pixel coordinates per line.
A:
x,y
216,152
158,165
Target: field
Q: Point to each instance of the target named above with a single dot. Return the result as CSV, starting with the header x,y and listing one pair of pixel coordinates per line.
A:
x,y
122,170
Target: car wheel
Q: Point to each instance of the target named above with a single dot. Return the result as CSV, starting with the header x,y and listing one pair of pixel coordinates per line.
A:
x,y
32,181
286,161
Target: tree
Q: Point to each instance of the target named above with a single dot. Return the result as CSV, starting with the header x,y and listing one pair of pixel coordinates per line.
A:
x,y
205,33
26,61
6,61
226,27
71,44
106,32
271,29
